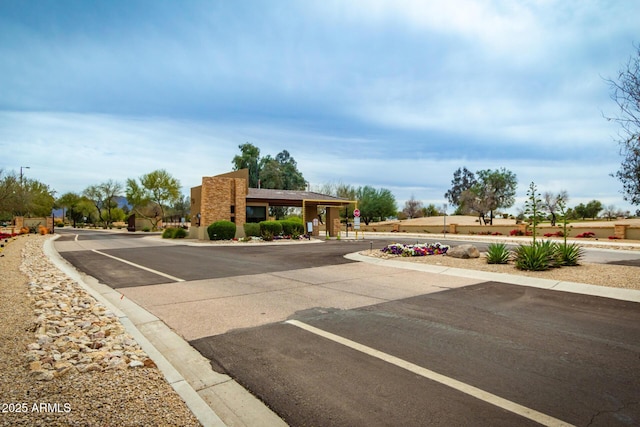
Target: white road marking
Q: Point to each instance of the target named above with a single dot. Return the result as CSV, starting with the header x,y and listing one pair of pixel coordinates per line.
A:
x,y
485,396
159,273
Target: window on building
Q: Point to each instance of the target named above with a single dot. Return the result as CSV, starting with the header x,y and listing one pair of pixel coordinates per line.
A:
x,y
256,213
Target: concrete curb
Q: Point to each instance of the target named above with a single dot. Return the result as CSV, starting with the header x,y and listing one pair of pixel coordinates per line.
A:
x,y
578,288
206,392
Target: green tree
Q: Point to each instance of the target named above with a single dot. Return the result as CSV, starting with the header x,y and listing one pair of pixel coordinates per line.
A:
x,y
26,197
103,197
375,204
279,173
581,211
248,159
76,207
497,188
9,193
430,210
625,91
593,208
152,196
181,207
463,180
39,198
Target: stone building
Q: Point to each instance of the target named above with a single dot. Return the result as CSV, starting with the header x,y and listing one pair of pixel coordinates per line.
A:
x,y
228,197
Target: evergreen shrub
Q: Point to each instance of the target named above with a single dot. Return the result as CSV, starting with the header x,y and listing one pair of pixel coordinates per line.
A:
x,y
291,227
272,227
251,229
221,230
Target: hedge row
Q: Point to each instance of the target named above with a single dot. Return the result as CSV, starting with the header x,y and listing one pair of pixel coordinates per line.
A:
x,y
287,227
226,230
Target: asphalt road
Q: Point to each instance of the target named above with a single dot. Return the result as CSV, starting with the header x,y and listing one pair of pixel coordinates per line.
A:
x,y
571,357
399,351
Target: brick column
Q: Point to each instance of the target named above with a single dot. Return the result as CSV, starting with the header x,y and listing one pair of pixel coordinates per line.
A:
x,y
522,227
311,213
620,231
333,215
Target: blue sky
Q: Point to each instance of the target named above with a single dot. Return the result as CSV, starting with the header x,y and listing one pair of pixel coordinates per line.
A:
x,y
393,94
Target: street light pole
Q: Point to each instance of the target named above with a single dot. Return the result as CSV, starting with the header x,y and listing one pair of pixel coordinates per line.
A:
x,y
445,221
23,167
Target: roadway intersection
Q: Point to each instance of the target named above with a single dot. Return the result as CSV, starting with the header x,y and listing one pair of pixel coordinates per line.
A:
x,y
323,340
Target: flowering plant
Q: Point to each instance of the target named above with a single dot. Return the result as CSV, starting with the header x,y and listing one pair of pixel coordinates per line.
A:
x,y
586,234
416,250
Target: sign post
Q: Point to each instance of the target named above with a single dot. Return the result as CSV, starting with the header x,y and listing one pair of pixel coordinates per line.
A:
x,y
356,221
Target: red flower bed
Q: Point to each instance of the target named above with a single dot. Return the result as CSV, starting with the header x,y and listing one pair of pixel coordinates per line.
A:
x,y
556,234
7,235
586,234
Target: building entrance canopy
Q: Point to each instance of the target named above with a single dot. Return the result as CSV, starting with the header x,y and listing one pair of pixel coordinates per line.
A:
x,y
228,197
292,198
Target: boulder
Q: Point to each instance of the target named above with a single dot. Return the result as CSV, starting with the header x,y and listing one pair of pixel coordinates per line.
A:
x,y
464,252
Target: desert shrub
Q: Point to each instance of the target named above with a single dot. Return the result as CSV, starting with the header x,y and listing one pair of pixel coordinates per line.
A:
x,y
174,233
221,230
180,233
538,256
498,253
169,233
251,229
291,227
569,254
272,227
267,236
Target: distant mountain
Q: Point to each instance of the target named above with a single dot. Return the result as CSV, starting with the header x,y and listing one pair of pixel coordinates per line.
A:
x,y
122,203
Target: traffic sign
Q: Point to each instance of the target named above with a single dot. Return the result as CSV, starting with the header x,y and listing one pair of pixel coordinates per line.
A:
x,y
356,213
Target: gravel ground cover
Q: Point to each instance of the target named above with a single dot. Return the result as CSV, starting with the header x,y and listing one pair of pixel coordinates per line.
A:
x,y
616,276
65,359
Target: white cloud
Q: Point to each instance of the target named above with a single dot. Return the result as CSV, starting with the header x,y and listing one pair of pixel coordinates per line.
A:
x,y
390,94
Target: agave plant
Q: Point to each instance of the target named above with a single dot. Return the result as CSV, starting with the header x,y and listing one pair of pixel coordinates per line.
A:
x,y
538,256
498,253
569,254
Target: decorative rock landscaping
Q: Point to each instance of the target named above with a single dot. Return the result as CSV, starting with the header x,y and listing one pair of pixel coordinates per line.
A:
x,y
72,330
56,385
